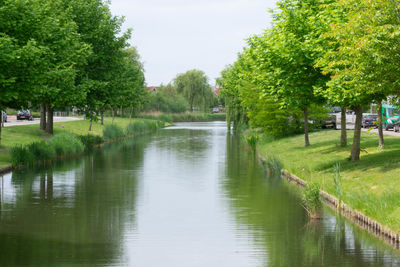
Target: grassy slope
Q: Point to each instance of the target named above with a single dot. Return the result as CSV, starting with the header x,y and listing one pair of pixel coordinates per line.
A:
x,y
371,185
22,135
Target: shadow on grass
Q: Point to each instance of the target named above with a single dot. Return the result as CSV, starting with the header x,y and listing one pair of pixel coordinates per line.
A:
x,y
386,160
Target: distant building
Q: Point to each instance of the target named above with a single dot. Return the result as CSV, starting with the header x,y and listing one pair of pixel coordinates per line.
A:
x,y
152,88
216,91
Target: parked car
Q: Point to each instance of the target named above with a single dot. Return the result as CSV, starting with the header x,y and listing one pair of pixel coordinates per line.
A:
x,y
330,122
4,116
215,110
396,126
369,120
24,114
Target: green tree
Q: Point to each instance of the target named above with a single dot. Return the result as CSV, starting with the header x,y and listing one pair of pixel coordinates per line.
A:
x,y
364,67
285,57
194,86
102,32
128,84
40,50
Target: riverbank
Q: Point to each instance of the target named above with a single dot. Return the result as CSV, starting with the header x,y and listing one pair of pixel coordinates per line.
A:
x,y
371,186
27,134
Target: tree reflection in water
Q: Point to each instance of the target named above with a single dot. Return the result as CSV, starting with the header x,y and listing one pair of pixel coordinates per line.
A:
x,y
72,212
269,210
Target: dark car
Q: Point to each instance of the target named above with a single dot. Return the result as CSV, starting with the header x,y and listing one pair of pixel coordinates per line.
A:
x,y
330,122
24,115
369,121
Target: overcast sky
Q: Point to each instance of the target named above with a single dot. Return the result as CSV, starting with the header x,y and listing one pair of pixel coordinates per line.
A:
x,y
173,36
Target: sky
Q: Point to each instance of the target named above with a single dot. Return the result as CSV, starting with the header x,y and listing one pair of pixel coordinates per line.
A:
x,y
174,36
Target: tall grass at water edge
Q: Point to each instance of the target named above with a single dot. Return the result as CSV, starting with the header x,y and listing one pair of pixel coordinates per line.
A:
x,y
113,131
60,145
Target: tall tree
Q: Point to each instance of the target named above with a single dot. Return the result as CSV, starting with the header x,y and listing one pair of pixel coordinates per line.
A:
x,y
285,57
45,50
194,86
102,31
365,66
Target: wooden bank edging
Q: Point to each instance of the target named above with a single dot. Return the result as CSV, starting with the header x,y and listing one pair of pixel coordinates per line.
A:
x,y
363,221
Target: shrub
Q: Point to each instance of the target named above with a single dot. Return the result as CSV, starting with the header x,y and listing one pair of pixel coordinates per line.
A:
x,y
66,144
90,140
135,127
252,141
112,131
41,151
312,201
148,125
165,118
21,155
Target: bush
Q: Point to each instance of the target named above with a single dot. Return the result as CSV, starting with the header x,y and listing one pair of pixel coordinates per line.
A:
x,y
89,140
21,155
66,144
165,118
112,131
312,201
41,151
135,127
252,141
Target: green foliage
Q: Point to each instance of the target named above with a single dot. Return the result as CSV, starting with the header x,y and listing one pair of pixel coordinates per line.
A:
x,y
65,144
41,151
194,86
112,131
90,140
21,155
166,99
252,140
183,117
141,126
311,199
337,182
135,128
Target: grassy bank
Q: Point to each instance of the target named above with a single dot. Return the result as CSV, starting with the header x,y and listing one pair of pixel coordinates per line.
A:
x,y
26,134
371,185
184,117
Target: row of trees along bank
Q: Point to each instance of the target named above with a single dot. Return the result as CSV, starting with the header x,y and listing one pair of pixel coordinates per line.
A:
x,y
66,53
188,90
341,53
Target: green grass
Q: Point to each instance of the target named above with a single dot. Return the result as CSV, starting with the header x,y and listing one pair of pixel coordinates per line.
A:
x,y
27,134
371,185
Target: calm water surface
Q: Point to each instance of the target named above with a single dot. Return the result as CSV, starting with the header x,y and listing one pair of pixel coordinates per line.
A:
x,y
190,195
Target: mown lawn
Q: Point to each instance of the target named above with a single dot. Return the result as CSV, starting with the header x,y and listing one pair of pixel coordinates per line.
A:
x,y
371,185
26,134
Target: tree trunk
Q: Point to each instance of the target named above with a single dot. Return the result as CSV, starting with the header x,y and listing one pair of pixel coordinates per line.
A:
x,y
101,118
90,125
380,126
355,149
113,115
43,116
122,112
306,139
130,114
49,122
343,130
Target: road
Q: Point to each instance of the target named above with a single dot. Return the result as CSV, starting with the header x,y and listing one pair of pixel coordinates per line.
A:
x,y
12,120
390,132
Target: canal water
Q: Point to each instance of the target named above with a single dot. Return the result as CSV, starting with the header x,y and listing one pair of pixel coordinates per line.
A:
x,y
190,195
